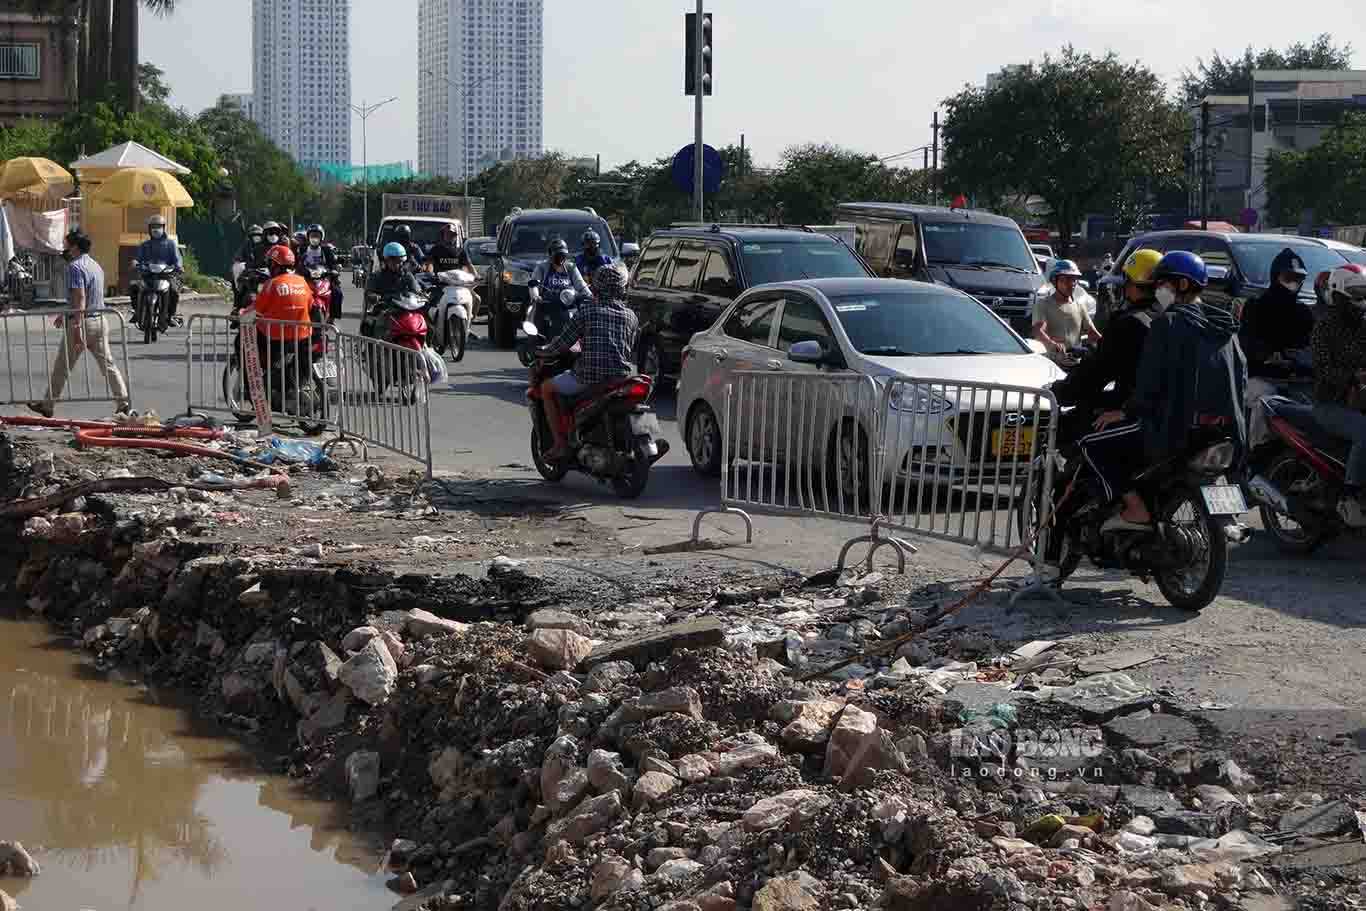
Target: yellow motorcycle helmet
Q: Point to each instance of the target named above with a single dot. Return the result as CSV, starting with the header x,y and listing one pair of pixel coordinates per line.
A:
x,y
1138,268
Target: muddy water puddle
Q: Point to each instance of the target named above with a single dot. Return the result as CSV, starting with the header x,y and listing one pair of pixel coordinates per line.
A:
x,y
128,802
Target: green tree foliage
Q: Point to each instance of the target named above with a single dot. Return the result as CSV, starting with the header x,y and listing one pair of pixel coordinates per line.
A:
x,y
1231,75
27,137
263,179
1329,179
1076,130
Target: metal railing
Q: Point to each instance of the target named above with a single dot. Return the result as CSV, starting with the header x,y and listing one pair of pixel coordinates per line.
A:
x,y
385,397
962,462
262,370
33,343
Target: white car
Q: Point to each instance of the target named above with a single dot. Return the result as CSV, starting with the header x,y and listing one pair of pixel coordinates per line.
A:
x,y
880,329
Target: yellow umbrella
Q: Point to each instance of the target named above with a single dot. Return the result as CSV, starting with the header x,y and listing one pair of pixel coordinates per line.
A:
x,y
34,177
143,187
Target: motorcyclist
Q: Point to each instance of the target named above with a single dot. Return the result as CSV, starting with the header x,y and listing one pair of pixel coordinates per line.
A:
x,y
1339,344
608,332
403,234
286,296
557,273
392,279
298,243
159,248
1192,375
446,254
252,253
1061,319
273,234
592,258
1274,327
1117,357
1107,264
318,252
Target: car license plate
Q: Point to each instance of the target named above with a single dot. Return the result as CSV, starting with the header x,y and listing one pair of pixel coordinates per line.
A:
x,y
1224,499
646,424
1012,443
325,370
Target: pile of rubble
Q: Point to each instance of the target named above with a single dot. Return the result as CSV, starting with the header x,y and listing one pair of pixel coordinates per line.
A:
x,y
536,746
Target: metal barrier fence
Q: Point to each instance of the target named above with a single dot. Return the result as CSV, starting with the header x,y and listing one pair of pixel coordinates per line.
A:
x,y
963,462
39,356
365,389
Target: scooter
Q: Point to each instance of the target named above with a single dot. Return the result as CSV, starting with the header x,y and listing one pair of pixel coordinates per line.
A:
x,y
321,280
399,321
1298,477
614,436
19,286
155,281
306,403
450,314
549,320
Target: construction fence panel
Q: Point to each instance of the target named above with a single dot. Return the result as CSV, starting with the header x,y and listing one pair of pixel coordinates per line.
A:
x,y
74,349
385,397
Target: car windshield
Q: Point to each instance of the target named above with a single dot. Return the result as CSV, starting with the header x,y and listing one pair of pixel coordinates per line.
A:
x,y
476,257
785,261
1254,258
922,321
532,238
425,233
971,243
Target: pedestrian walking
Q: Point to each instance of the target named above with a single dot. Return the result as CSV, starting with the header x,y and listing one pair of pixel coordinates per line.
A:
x,y
85,328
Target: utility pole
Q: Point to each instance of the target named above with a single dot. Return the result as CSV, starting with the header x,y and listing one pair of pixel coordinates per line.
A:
x,y
698,51
934,175
1251,113
365,111
1204,166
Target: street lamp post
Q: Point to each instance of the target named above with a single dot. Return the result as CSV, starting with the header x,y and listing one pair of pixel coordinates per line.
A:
x,y
465,158
365,111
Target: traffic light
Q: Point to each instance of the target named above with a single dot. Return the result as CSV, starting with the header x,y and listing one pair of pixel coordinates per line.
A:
x,y
690,54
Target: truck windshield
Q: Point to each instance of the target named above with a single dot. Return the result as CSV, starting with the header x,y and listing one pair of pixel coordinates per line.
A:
x,y
533,238
968,243
425,233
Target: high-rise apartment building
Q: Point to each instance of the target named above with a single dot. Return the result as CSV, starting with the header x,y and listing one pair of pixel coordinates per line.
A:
x,y
479,84
301,74
243,101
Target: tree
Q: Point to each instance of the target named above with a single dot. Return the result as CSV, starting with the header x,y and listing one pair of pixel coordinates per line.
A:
x,y
108,37
264,180
1076,130
27,137
1231,75
152,87
1329,179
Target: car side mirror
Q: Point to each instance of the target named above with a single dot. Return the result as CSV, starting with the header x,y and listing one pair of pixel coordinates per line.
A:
x,y
1222,278
1036,346
488,249
630,252
809,352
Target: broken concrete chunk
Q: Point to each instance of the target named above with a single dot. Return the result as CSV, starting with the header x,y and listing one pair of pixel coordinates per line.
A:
x,y
421,624
748,757
371,673
809,731
355,640
652,787
16,861
779,810
680,700
552,618
588,818
651,646
558,649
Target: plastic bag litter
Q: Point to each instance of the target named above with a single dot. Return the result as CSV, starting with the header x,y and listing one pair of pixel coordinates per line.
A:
x,y
436,366
287,452
1115,685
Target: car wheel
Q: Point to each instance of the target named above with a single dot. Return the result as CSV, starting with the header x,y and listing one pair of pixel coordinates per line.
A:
x,y
847,468
704,441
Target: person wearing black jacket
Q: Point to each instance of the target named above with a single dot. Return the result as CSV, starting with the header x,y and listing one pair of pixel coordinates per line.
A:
x,y
1116,359
252,255
1273,326
446,254
318,252
1193,374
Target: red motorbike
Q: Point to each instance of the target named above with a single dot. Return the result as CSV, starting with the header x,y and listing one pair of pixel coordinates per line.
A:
x,y
614,436
400,322
1298,478
322,281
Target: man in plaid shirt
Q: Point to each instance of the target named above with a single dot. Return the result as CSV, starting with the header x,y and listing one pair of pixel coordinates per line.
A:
x,y
608,331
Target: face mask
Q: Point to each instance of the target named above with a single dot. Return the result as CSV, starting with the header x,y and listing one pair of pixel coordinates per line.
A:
x,y
272,239
1165,297
157,232
256,238
1292,286
315,241
559,259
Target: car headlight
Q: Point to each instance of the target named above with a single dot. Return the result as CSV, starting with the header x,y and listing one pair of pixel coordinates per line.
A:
x,y
917,400
516,276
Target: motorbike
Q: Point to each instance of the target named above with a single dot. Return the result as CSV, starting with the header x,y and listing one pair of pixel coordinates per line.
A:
x,y
1297,478
1186,550
451,311
399,321
308,404
321,280
548,318
154,280
19,284
614,436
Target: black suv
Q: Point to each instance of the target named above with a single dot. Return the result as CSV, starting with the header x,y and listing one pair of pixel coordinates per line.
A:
x,y
523,239
686,276
1239,264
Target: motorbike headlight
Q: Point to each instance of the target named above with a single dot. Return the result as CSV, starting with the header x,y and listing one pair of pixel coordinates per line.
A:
x,y
516,276
1214,459
917,400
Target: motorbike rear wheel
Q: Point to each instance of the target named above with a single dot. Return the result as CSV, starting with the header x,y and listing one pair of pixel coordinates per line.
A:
x,y
1286,471
632,483
1027,520
1193,587
235,395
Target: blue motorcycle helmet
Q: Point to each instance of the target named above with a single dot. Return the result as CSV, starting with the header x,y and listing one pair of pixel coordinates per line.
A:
x,y
1180,264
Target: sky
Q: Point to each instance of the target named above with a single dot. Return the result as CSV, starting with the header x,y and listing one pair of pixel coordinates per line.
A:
x,y
864,74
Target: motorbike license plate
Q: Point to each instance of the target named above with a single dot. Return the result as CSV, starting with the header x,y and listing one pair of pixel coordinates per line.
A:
x,y
1224,499
325,370
646,424
1012,443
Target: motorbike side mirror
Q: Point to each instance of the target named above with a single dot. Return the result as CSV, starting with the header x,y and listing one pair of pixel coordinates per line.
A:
x,y
530,330
630,252
568,297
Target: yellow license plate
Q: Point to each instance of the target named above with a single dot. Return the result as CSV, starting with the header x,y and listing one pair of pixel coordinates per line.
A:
x,y
1012,443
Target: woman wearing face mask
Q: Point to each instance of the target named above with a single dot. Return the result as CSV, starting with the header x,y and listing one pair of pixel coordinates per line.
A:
x,y
159,248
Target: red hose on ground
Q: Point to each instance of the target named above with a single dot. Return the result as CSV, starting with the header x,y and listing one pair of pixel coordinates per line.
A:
x,y
132,436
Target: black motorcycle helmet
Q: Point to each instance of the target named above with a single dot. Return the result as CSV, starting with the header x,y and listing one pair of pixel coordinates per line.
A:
x,y
404,234
558,250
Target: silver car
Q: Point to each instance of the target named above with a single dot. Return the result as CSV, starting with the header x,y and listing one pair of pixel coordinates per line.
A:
x,y
863,334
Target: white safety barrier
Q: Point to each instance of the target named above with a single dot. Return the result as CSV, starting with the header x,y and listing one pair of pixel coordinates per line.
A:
x,y
962,462
364,389
93,362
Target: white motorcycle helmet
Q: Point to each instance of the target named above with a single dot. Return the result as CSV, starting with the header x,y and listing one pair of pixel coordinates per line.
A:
x,y
411,302
1349,281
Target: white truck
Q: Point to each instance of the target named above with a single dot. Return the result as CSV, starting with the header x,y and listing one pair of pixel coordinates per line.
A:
x,y
425,215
